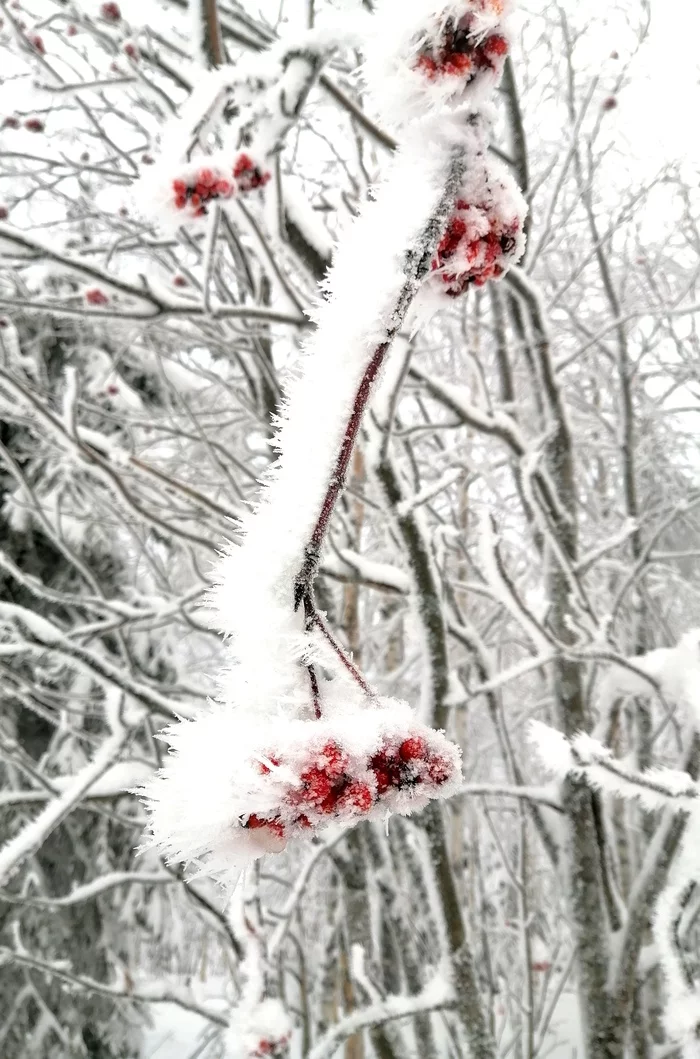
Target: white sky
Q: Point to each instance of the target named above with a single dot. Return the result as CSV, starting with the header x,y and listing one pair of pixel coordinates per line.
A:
x,y
661,111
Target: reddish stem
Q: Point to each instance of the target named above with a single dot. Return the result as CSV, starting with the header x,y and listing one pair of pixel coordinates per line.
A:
x,y
303,588
307,573
349,665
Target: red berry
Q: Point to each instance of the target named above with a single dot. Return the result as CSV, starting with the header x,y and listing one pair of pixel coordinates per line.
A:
x,y
356,796
456,63
329,803
11,122
496,45
412,748
383,780
146,159
3,213
112,389
180,281
335,760
438,770
180,201
71,30
427,66
456,230
34,125
255,823
37,43
387,771
111,12
95,296
248,175
317,787
609,104
131,50
243,165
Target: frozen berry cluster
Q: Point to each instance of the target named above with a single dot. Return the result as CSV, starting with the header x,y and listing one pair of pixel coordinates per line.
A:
x,y
95,296
463,51
210,184
111,12
479,244
333,787
271,1048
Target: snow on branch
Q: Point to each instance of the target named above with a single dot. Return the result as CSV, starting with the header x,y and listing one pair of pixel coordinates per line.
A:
x,y
585,757
436,995
298,739
32,835
95,888
151,992
266,92
674,671
682,1010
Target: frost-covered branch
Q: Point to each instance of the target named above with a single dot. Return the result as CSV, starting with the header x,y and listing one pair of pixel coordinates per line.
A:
x,y
156,992
36,832
436,996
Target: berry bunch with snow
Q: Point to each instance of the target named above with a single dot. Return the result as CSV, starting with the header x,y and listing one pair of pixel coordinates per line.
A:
x,y
260,1031
439,55
484,236
188,177
260,786
186,192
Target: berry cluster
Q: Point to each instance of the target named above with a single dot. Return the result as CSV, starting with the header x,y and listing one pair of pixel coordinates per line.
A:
x,y
479,244
209,184
268,1048
111,12
30,124
248,175
330,787
95,296
463,51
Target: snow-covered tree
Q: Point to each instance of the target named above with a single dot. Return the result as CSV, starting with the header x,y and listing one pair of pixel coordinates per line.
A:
x,y
483,505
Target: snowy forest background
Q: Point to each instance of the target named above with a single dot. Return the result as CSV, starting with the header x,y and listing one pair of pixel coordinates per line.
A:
x,y
525,547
